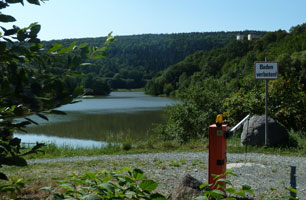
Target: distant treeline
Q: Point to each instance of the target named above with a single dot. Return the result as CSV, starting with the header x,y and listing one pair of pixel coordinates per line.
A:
x,y
133,60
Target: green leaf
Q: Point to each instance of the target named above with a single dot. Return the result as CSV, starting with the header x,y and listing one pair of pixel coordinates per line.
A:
x,y
91,197
224,180
30,120
98,55
91,176
215,193
36,2
42,116
67,49
246,187
49,189
231,190
125,169
22,124
204,186
148,185
216,176
82,45
229,172
55,47
15,142
67,186
21,35
242,194
137,174
292,190
35,30
3,5
108,186
219,192
10,32
14,161
157,196
6,18
15,1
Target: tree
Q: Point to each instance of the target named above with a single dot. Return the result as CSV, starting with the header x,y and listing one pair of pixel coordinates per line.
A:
x,y
28,84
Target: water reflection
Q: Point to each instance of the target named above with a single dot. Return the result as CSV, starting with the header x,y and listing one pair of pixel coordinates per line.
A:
x,y
112,127
115,118
76,143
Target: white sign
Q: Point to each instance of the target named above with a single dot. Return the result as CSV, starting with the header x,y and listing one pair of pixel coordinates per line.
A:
x,y
266,70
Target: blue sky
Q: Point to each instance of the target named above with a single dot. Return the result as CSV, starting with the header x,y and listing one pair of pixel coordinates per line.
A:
x,y
94,18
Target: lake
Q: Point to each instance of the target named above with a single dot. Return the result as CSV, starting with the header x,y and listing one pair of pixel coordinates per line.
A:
x,y
98,121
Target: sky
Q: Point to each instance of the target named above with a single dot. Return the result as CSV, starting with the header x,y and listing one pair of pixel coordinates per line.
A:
x,y
62,19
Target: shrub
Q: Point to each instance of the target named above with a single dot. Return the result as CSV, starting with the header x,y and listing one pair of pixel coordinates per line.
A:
x,y
124,184
191,119
127,145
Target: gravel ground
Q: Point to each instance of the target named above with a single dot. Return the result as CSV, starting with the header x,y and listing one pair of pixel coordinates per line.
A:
x,y
260,171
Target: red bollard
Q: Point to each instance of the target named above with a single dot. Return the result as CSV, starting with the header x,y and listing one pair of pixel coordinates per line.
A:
x,y
217,153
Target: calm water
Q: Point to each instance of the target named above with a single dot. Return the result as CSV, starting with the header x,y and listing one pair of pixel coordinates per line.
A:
x,y
98,121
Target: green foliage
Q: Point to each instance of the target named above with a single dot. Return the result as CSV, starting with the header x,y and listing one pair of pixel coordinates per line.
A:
x,y
244,102
133,60
229,192
127,145
124,184
245,192
237,92
11,189
288,101
189,120
33,80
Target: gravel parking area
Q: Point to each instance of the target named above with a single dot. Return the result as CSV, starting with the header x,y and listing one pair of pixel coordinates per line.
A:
x,y
260,171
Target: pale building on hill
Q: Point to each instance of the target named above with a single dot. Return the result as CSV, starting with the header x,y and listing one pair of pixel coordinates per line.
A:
x,y
240,37
252,37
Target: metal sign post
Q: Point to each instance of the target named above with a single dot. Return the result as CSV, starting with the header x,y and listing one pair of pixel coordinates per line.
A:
x,y
266,115
266,71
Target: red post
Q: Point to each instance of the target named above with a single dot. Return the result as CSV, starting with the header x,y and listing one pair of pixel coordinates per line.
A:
x,y
217,152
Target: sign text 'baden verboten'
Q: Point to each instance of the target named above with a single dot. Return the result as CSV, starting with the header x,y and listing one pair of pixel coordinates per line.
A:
x,y
266,70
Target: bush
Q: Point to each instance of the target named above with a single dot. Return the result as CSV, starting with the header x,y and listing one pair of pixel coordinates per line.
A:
x,y
124,184
229,192
288,103
191,119
127,145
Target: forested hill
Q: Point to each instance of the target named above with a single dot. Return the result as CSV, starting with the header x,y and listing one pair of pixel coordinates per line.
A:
x,y
132,60
234,62
222,81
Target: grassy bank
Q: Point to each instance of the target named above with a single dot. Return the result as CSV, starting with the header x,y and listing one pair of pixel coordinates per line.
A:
x,y
298,148
36,176
130,90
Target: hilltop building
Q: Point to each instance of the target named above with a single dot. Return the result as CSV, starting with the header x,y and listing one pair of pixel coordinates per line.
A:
x,y
252,37
241,37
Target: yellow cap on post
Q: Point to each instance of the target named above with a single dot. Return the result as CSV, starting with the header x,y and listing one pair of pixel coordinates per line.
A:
x,y
219,119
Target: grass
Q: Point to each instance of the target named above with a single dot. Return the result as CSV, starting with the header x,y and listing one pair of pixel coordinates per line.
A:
x,y
155,145
36,176
130,90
